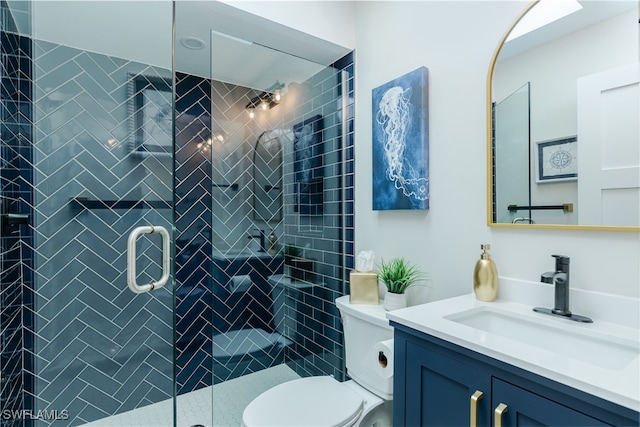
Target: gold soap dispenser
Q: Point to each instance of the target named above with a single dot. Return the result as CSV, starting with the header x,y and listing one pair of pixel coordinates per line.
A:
x,y
485,276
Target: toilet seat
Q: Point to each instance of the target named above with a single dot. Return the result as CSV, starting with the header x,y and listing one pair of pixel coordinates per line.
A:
x,y
312,401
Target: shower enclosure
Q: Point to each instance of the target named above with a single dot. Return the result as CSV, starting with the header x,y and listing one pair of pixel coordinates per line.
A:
x,y
105,134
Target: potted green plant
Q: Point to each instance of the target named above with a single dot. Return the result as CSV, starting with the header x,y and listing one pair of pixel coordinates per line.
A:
x,y
398,275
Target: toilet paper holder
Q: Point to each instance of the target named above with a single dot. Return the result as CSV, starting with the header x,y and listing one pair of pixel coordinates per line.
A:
x,y
382,359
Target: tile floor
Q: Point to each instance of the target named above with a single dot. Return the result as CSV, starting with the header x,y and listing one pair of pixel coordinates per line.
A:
x,y
229,400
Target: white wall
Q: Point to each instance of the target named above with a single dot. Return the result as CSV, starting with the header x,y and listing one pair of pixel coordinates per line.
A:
x,y
328,20
456,40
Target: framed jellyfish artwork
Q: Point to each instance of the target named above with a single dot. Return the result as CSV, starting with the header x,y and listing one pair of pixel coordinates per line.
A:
x,y
401,142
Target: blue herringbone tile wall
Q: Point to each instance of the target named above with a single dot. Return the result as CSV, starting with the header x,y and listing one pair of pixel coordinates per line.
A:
x,y
98,348
244,338
88,346
223,334
193,226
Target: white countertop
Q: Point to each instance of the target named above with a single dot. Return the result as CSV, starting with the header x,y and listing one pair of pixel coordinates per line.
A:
x,y
614,380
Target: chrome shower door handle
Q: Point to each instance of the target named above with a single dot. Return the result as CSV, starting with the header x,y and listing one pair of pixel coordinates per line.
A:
x,y
131,259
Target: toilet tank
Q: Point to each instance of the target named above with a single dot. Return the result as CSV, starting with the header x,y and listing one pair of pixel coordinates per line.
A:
x,y
364,327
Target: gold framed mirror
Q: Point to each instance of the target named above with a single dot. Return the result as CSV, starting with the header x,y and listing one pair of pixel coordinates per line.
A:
x,y
563,119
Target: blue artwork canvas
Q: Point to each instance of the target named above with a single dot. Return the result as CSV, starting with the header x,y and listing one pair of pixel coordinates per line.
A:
x,y
401,143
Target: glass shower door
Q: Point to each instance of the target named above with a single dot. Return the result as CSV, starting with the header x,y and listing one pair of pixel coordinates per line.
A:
x,y
512,174
240,179
101,145
274,315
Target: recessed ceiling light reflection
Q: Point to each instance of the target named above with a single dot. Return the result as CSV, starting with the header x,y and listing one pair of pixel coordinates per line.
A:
x,y
193,43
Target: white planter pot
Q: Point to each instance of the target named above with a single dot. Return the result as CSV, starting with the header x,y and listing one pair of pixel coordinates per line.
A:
x,y
394,301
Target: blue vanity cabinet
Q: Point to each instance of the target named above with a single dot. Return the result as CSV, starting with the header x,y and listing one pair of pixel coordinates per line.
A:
x,y
438,389
524,408
435,381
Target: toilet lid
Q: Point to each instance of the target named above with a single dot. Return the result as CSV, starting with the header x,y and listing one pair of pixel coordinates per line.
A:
x,y
313,401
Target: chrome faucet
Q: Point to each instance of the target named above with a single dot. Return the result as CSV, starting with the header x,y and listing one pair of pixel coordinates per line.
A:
x,y
260,237
560,279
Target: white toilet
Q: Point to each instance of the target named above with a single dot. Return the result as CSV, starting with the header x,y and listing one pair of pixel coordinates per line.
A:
x,y
365,400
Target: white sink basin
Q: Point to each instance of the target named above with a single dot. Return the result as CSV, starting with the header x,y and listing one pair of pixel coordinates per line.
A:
x,y
556,334
601,358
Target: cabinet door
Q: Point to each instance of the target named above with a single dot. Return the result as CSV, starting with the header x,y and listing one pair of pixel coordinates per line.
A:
x,y
439,388
524,408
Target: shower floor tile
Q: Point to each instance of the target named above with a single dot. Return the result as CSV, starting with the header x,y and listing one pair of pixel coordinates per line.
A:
x,y
220,405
